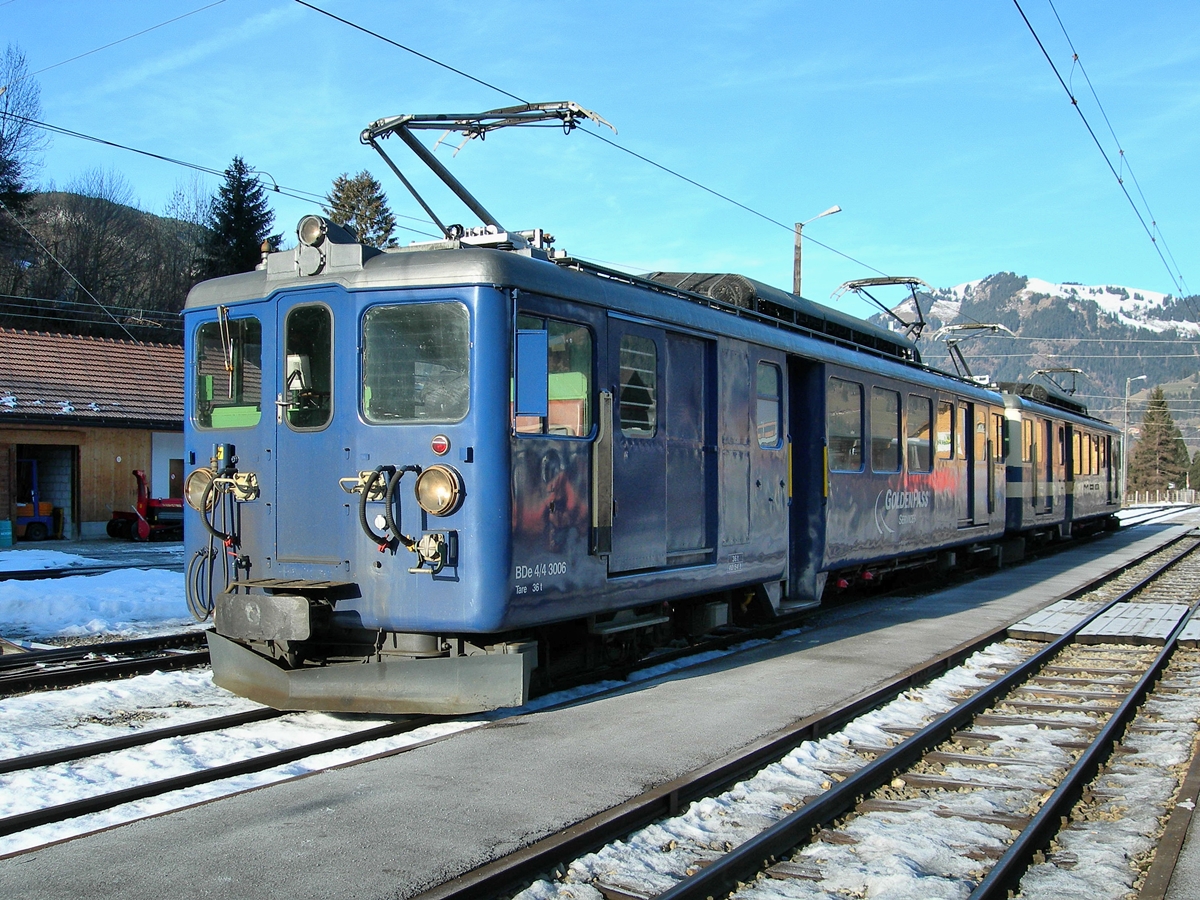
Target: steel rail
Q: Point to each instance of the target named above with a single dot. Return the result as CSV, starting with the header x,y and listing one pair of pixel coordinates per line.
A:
x,y
66,572
85,673
109,648
138,739
723,874
491,879
50,814
1005,875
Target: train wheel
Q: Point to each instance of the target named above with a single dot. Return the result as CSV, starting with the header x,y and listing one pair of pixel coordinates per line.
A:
x,y
36,531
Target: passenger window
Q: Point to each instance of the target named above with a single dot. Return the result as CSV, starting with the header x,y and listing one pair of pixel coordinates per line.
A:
x,y
920,419
961,432
1062,445
639,386
945,430
416,363
569,379
885,430
843,425
1026,440
767,416
999,437
308,367
229,373
1076,449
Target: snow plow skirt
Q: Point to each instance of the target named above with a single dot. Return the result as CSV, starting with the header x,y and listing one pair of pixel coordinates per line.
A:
x,y
443,685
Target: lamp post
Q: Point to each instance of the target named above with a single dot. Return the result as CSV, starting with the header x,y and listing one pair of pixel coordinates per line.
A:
x,y
796,261
1125,438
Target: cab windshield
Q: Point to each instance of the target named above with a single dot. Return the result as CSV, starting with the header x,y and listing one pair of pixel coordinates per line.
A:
x,y
416,363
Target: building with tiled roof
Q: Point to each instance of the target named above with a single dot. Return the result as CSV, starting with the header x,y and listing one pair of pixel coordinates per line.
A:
x,y
85,412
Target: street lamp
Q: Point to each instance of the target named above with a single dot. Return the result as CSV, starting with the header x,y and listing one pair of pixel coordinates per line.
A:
x,y
796,262
1125,438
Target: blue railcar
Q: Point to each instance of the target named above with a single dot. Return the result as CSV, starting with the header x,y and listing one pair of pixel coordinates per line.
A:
x,y
586,447
417,476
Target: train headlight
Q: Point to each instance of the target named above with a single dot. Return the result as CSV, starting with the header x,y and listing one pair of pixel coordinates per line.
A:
x,y
195,487
439,490
312,230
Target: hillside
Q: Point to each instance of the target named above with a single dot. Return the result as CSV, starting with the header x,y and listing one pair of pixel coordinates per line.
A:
x,y
1110,332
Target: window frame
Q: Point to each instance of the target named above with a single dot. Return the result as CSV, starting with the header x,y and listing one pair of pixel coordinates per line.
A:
x,y
332,373
909,446
945,407
362,362
777,399
895,437
522,321
622,385
861,431
194,366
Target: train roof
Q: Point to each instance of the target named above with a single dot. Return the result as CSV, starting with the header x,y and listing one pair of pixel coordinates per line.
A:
x,y
464,262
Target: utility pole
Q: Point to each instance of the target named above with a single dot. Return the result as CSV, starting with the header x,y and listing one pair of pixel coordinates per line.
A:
x,y
796,258
1125,438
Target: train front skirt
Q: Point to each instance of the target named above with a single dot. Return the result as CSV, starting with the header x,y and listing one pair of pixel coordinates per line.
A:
x,y
443,685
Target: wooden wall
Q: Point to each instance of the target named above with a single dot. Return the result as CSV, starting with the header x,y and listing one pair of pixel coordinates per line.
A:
x,y
104,483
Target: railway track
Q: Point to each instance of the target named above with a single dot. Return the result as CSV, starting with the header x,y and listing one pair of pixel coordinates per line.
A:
x,y
69,666
51,814
964,773
68,571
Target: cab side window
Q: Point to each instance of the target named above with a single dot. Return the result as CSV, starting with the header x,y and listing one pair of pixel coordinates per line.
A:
x,y
569,379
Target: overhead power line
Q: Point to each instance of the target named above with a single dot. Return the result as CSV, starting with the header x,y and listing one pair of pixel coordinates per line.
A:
x,y
1121,150
114,43
789,228
1075,103
274,187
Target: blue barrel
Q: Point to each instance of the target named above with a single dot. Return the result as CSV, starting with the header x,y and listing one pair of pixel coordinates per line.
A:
x,y
5,533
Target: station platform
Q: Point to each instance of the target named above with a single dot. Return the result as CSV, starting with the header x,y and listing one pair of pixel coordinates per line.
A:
x,y
395,826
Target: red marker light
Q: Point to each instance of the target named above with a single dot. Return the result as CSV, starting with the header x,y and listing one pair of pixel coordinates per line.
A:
x,y
440,445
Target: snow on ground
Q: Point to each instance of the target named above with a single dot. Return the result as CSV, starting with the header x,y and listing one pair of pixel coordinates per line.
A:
x,y
124,603
31,560
655,858
143,601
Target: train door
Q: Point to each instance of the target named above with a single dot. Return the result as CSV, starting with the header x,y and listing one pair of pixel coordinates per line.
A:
x,y
999,454
664,446
1046,432
311,522
806,494
964,466
981,464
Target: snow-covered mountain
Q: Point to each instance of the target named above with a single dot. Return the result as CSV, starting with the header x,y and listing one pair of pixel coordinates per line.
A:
x,y
1131,307
1109,332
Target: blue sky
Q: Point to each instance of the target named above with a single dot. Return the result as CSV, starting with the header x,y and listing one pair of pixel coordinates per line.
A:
x,y
938,127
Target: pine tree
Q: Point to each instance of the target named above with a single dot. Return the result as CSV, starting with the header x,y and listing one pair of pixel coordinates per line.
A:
x,y
360,203
239,222
1194,472
1159,460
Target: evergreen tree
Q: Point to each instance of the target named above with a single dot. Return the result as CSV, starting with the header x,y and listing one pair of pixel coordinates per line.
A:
x,y
360,204
238,223
1194,472
1159,460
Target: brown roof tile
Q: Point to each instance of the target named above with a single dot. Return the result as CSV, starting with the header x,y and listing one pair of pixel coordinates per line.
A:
x,y
70,377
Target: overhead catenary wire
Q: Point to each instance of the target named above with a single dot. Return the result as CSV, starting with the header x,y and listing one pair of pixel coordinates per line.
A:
x,y
1108,162
789,228
1121,150
113,43
293,193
